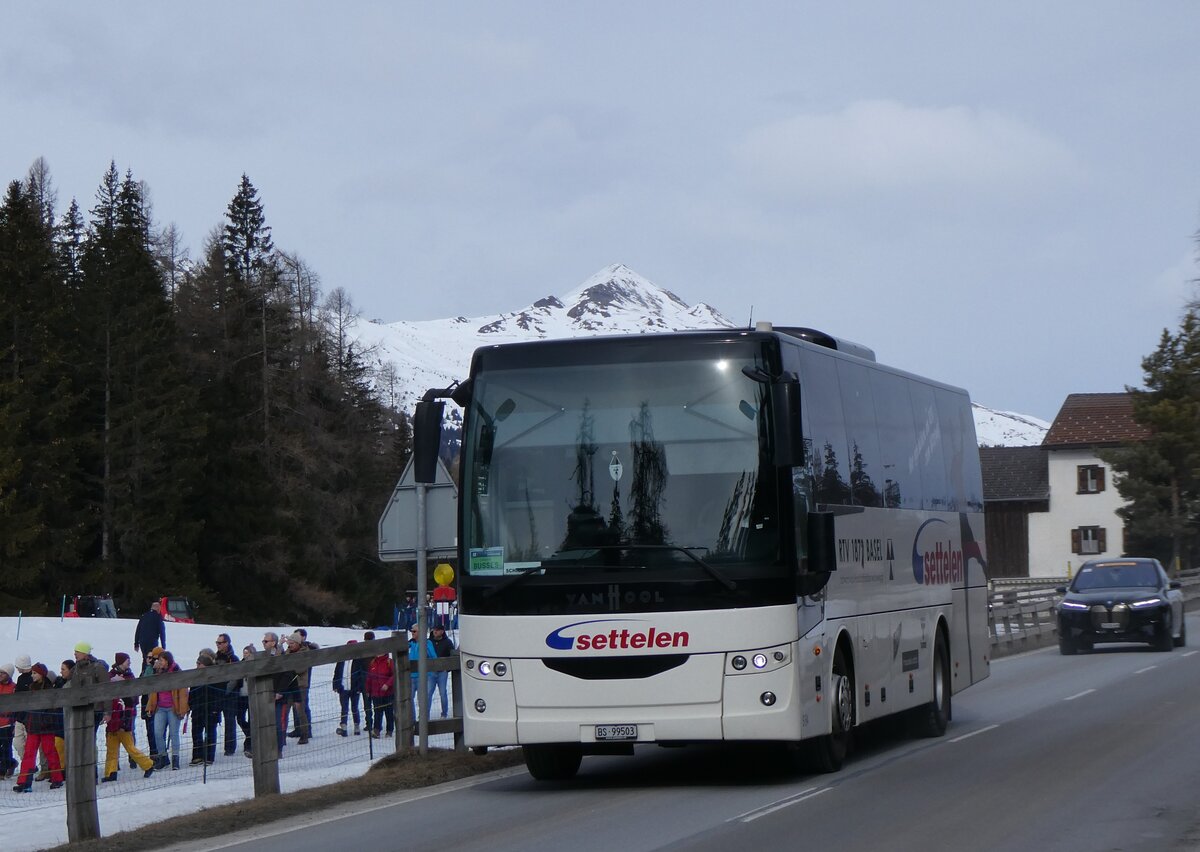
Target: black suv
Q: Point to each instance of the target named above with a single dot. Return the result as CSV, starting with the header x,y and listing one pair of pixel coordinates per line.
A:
x,y
1121,600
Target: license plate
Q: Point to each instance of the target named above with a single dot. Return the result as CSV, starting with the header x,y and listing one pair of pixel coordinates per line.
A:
x,y
1110,625
616,732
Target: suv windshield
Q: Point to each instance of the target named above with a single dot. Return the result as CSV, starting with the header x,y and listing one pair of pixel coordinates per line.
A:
x,y
585,474
1122,575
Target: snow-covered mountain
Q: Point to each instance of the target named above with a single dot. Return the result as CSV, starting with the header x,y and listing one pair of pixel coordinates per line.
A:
x,y
415,356
616,300
1006,428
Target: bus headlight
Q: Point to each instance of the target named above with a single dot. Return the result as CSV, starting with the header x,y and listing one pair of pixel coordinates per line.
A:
x,y
759,660
487,669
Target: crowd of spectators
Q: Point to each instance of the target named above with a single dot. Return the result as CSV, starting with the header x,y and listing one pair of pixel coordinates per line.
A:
x,y
32,746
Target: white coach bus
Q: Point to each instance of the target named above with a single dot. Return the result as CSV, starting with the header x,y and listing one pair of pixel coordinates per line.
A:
x,y
738,535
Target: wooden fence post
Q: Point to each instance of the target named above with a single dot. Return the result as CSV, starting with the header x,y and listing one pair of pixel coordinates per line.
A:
x,y
402,703
83,818
265,744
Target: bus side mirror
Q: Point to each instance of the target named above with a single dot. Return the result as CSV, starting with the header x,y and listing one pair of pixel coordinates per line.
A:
x,y
785,403
822,543
427,439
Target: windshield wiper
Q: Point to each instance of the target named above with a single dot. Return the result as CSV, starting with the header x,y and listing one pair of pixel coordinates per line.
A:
x,y
711,570
686,551
512,580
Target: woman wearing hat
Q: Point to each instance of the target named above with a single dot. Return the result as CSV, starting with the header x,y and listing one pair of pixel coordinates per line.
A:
x,y
118,729
39,727
7,686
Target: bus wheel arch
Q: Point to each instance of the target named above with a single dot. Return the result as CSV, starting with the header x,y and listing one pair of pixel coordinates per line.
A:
x,y
828,752
931,718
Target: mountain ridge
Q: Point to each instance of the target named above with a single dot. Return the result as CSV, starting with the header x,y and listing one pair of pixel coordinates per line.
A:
x,y
411,356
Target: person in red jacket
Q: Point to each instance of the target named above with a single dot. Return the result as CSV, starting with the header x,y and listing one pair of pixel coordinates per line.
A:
x,y
7,686
118,729
40,725
381,694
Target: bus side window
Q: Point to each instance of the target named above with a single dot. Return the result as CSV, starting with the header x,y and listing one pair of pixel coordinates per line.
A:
x,y
927,455
859,406
961,453
822,410
897,441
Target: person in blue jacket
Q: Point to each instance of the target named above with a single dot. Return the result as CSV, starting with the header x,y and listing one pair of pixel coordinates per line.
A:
x,y
430,679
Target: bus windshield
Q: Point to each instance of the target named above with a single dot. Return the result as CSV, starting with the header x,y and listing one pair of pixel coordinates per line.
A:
x,y
602,485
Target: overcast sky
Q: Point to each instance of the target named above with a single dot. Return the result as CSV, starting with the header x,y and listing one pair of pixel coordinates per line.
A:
x,y
1004,198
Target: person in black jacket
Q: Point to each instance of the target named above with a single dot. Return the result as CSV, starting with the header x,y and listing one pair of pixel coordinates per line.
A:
x,y
349,693
229,703
205,702
151,633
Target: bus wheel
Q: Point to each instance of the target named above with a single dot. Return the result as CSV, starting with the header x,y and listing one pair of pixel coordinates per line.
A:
x,y
553,762
929,720
828,752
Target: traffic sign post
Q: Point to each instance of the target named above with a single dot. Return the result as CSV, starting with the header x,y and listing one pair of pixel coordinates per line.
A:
x,y
420,521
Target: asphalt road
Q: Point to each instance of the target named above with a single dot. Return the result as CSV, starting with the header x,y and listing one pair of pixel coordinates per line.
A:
x,y
1094,752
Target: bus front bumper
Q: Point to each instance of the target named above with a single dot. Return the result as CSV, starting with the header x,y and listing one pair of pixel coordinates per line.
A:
x,y
703,701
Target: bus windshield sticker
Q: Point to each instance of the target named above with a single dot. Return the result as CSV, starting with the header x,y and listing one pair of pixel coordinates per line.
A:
x,y
487,561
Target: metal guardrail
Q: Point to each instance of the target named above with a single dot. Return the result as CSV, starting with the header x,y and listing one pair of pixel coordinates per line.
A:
x,y
1021,610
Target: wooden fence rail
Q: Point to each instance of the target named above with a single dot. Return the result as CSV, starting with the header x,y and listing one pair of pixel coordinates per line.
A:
x,y
79,725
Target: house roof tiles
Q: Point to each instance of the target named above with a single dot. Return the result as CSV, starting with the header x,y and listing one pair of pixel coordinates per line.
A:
x,y
1014,473
1094,419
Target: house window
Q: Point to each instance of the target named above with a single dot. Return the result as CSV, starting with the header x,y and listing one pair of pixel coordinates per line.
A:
x,y
1089,541
1090,478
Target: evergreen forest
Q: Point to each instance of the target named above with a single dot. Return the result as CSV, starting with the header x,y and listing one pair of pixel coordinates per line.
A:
x,y
175,426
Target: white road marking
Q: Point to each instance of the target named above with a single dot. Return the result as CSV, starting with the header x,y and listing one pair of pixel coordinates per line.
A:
x,y
803,795
347,810
1189,653
1139,671
959,739
1079,695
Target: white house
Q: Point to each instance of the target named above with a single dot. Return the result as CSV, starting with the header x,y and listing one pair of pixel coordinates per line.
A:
x,y
1081,522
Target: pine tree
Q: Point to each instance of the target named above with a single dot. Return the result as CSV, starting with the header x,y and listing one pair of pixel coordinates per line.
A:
x,y
40,188
40,520
145,413
1160,476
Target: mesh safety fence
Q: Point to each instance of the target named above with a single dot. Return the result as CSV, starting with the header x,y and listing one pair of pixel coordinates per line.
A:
x,y
315,739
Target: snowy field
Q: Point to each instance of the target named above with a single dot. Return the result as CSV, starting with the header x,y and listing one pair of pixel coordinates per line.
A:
x,y
37,820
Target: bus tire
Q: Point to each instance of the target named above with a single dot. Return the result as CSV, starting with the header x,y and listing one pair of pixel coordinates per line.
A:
x,y
827,753
553,762
930,720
